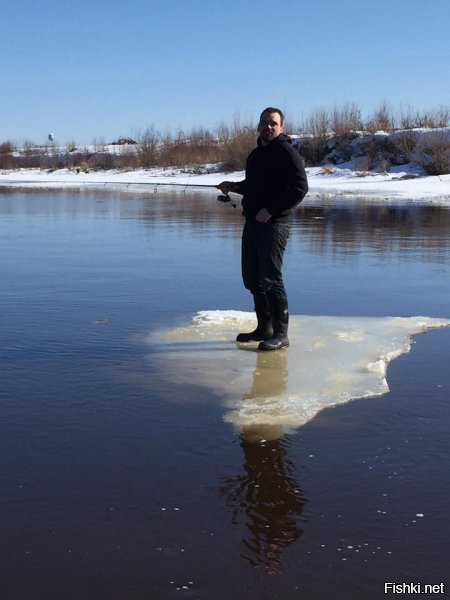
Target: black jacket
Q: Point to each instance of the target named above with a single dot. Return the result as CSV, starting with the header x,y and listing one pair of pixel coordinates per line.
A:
x,y
275,179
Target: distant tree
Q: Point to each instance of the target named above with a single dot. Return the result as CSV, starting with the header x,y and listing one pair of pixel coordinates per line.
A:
x,y
148,146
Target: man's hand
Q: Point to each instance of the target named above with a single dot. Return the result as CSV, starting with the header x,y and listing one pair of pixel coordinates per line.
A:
x,y
263,215
226,187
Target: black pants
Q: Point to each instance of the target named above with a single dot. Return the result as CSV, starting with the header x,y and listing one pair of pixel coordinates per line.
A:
x,y
263,246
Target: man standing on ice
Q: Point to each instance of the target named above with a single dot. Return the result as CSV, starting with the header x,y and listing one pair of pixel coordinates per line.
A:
x,y
275,182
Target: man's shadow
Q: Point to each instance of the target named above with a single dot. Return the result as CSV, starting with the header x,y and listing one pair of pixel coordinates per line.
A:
x,y
266,497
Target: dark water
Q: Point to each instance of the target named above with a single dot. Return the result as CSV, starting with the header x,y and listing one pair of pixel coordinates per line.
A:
x,y
113,487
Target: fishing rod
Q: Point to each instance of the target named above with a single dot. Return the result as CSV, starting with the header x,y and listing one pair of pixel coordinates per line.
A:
x,y
225,198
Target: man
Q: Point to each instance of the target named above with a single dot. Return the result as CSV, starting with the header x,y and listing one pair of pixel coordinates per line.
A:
x,y
275,182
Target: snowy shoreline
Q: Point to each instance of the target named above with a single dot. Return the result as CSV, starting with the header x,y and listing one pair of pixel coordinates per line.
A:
x,y
401,183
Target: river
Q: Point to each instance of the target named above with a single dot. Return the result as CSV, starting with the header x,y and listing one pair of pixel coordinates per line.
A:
x,y
119,484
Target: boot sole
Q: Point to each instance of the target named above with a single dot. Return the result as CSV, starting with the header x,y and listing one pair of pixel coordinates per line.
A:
x,y
273,348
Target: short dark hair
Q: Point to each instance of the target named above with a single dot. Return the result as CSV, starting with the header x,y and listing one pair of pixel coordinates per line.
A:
x,y
271,109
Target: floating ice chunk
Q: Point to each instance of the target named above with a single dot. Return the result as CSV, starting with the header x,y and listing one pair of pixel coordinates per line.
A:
x,y
331,361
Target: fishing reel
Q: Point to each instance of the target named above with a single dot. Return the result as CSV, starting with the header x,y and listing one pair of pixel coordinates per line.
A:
x,y
226,198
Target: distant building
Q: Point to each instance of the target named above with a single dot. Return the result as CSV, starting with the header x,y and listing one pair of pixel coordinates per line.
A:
x,y
123,142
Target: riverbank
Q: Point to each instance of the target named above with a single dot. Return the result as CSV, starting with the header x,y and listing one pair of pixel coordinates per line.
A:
x,y
401,183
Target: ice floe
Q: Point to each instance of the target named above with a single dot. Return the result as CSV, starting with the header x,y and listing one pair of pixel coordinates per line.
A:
x,y
332,360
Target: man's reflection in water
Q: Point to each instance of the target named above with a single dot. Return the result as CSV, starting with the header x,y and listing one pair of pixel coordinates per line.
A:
x,y
266,497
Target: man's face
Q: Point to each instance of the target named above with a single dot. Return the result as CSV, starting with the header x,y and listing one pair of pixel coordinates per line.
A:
x,y
269,126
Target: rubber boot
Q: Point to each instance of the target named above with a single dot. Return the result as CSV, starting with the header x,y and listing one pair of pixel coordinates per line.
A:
x,y
280,338
264,329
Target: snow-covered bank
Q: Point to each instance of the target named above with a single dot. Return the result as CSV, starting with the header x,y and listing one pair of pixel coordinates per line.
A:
x,y
398,184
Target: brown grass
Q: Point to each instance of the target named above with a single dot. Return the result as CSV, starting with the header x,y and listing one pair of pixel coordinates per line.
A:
x,y
325,136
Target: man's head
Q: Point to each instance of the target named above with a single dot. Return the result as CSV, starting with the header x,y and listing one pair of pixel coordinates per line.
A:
x,y
270,124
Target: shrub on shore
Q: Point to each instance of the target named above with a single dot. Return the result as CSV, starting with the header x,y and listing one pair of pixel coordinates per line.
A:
x,y
235,143
324,137
378,142
432,152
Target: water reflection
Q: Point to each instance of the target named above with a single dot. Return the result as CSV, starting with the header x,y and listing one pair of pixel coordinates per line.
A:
x,y
266,498
343,227
406,230
270,376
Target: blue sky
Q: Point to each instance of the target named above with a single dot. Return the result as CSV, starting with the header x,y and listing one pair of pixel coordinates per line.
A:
x,y
101,69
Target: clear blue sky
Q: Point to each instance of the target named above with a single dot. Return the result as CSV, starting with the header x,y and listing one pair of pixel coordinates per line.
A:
x,y
104,68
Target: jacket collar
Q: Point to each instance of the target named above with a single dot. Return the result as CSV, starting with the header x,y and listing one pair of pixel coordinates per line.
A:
x,y
280,138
